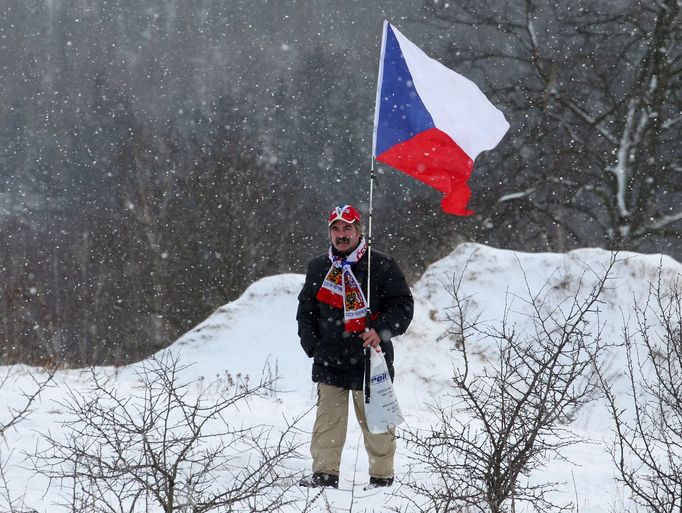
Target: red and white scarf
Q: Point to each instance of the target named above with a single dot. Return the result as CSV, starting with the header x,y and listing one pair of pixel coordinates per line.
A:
x,y
341,288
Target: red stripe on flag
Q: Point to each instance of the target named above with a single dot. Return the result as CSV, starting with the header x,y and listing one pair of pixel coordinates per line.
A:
x,y
434,158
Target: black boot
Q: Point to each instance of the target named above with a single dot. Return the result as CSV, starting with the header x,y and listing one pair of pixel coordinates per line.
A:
x,y
319,479
379,482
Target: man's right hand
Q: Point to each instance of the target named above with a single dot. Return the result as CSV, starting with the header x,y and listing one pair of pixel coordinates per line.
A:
x,y
370,338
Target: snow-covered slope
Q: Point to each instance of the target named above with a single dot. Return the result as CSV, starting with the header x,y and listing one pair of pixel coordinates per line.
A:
x,y
256,334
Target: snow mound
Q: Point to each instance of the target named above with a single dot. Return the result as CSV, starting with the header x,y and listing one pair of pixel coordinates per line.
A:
x,y
254,335
257,333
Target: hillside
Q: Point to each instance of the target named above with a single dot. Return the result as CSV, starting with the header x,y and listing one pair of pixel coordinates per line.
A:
x,y
256,335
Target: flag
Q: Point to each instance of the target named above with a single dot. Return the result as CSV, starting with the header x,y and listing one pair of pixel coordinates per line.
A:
x,y
431,122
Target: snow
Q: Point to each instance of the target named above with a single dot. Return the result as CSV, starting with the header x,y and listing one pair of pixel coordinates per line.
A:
x,y
516,195
257,335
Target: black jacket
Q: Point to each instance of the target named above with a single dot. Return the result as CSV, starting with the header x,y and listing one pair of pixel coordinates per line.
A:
x,y
338,354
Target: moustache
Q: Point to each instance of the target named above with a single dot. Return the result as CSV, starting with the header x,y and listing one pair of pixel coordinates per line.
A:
x,y
342,240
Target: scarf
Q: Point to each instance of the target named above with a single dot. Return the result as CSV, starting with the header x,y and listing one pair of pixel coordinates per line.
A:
x,y
341,288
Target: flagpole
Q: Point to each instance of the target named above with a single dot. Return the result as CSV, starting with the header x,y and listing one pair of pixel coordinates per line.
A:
x,y
371,204
369,279
377,103
369,232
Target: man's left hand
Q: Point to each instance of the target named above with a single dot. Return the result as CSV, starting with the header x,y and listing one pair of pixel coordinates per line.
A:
x,y
370,338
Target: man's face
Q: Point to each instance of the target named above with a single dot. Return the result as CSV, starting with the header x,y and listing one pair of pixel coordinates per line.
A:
x,y
344,236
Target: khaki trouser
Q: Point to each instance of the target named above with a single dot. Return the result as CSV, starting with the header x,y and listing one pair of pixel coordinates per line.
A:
x,y
329,434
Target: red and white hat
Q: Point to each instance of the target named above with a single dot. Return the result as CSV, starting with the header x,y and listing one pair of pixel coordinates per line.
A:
x,y
345,213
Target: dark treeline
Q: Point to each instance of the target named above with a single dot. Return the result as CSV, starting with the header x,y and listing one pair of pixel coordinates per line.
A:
x,y
158,157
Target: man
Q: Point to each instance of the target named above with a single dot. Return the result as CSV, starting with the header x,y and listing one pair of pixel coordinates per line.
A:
x,y
332,317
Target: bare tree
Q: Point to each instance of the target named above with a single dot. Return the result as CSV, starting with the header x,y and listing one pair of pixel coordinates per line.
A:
x,y
173,443
512,414
593,92
647,443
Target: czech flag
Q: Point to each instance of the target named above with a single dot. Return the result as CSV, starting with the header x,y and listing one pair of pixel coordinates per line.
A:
x,y
431,122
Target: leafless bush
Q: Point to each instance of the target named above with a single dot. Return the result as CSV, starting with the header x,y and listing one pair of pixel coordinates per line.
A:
x,y
171,444
13,415
647,443
511,415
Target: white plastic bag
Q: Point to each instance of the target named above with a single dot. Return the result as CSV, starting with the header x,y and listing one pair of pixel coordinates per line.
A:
x,y
383,411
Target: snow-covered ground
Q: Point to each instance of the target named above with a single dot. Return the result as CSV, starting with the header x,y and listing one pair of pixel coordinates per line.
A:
x,y
256,334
